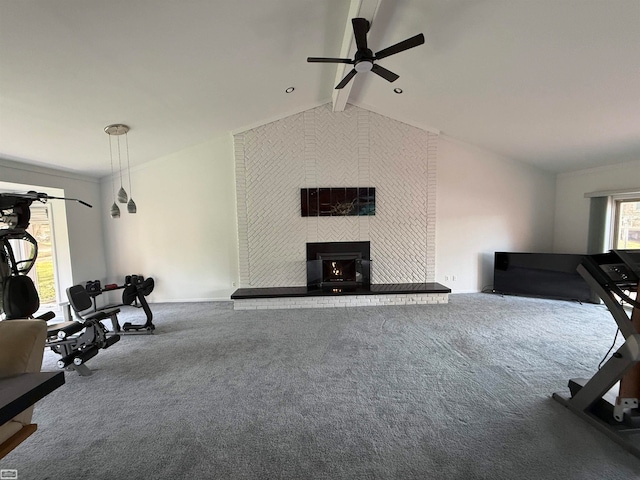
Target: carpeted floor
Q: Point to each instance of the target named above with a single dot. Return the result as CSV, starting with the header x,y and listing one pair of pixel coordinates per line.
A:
x,y
413,392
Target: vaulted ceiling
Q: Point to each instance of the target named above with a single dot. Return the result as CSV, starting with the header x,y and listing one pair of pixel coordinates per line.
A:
x,y
551,82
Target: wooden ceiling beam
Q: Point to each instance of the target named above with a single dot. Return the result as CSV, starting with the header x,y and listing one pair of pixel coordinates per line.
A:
x,y
358,8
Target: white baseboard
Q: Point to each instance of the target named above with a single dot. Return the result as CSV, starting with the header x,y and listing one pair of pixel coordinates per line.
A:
x,y
192,300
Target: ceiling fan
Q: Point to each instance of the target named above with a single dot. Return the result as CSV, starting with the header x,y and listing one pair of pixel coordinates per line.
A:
x,y
364,57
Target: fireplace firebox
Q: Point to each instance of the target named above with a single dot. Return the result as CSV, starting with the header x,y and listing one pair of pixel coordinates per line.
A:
x,y
333,265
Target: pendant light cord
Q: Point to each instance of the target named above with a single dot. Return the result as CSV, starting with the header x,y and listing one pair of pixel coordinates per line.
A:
x,y
126,139
120,161
113,187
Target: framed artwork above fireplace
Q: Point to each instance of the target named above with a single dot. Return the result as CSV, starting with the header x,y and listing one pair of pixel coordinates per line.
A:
x,y
338,202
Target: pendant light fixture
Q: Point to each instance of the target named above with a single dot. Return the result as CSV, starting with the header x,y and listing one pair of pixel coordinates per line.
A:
x,y
117,130
131,205
122,193
115,210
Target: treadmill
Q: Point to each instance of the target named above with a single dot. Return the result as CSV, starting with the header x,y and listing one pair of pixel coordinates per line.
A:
x,y
609,399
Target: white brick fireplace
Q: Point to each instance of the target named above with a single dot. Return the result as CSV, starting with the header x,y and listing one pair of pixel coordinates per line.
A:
x,y
322,148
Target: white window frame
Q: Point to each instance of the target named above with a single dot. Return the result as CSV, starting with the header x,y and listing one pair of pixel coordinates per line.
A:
x,y
62,252
616,200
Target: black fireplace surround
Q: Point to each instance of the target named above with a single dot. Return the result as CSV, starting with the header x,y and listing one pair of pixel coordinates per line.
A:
x,y
332,265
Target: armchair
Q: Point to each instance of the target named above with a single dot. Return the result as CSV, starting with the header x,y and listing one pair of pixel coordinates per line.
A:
x,y
21,351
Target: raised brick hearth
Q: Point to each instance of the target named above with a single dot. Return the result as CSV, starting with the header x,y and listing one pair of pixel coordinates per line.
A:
x,y
303,297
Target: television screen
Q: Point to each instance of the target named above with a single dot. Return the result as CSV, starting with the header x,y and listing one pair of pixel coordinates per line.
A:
x,y
546,275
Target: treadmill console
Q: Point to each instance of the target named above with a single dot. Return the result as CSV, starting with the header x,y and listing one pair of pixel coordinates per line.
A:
x,y
619,268
619,273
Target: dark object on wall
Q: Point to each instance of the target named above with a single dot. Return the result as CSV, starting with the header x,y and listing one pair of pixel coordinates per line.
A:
x,y
337,202
546,275
338,264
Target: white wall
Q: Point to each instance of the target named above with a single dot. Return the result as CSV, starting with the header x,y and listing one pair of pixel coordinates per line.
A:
x,y
85,235
487,203
572,208
184,234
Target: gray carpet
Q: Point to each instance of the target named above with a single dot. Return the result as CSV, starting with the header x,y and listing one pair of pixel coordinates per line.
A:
x,y
440,391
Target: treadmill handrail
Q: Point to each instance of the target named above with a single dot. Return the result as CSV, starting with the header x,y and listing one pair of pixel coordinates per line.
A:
x,y
617,311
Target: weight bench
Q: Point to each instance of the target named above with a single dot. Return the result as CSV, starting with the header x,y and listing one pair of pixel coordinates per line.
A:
x,y
82,305
82,298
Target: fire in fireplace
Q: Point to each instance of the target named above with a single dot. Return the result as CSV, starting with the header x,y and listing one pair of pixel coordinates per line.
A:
x,y
339,271
338,264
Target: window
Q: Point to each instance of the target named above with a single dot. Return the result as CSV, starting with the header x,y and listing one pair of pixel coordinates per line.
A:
x,y
52,272
43,271
626,223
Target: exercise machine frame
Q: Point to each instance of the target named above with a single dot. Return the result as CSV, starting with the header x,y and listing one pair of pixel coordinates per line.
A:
x,y
76,342
135,289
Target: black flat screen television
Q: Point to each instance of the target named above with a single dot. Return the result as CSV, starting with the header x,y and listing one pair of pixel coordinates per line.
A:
x,y
545,275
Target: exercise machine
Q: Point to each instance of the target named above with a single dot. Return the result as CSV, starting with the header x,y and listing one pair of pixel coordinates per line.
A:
x,y
609,400
74,349
134,291
75,342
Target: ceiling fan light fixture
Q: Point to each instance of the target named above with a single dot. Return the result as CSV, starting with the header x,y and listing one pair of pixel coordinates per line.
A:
x,y
363,66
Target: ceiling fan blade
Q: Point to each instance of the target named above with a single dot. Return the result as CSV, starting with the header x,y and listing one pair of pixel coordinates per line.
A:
x,y
360,29
401,46
384,73
346,79
328,60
